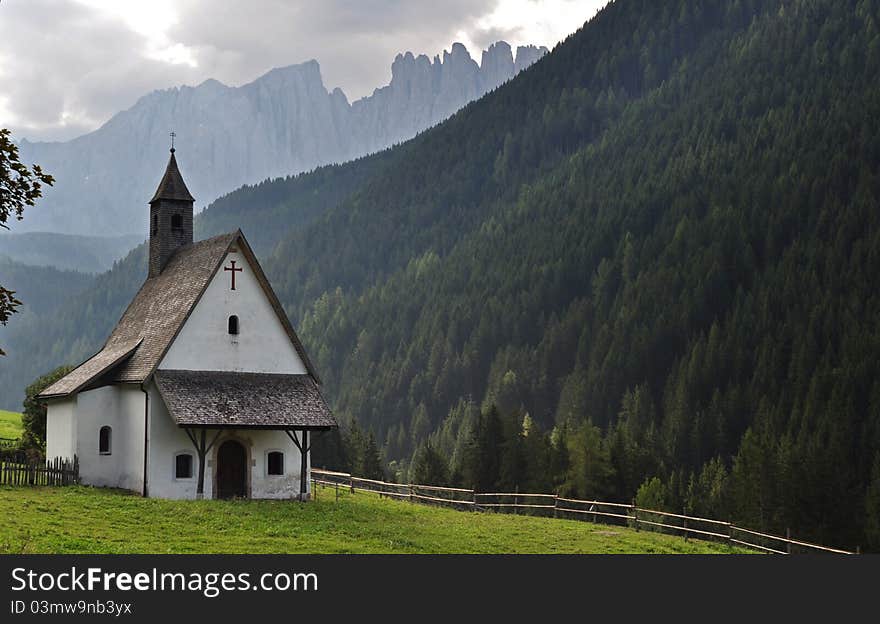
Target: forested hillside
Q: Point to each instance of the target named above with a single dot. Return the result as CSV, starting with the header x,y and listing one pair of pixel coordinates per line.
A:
x,y
40,287
647,267
84,254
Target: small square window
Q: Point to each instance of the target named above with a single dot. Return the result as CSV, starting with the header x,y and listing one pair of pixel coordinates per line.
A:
x,y
183,466
275,463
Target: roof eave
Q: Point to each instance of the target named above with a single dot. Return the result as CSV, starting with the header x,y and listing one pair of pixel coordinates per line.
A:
x,y
278,427
101,372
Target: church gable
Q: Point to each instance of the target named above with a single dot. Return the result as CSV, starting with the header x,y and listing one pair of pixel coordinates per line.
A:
x,y
204,306
236,325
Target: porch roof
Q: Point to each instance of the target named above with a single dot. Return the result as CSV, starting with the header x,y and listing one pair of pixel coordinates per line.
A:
x,y
220,399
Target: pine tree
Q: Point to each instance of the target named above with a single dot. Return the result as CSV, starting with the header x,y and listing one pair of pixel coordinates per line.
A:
x,y
429,467
872,508
372,465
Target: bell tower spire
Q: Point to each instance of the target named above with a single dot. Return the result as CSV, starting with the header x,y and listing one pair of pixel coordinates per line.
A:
x,y
171,216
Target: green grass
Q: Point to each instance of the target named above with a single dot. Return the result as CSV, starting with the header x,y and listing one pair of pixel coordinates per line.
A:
x,y
93,520
10,424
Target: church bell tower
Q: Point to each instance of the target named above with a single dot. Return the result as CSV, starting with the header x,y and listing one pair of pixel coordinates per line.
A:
x,y
171,217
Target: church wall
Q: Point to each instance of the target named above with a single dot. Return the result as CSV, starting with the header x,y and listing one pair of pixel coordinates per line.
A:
x,y
166,441
60,428
264,485
122,409
131,403
261,346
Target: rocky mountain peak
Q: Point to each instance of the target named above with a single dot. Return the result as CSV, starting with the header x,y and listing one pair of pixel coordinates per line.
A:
x,y
497,63
282,123
526,55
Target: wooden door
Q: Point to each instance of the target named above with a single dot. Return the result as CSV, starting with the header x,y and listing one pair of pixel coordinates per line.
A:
x,y
231,470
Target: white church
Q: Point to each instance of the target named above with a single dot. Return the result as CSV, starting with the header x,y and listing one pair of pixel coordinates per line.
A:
x,y
203,389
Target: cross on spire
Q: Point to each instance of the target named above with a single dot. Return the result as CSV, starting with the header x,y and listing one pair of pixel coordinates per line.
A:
x,y
172,141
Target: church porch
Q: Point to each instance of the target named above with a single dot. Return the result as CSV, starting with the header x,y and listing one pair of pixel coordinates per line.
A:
x,y
248,434
258,462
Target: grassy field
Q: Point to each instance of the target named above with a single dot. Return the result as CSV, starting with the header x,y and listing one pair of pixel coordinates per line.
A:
x,y
92,520
10,424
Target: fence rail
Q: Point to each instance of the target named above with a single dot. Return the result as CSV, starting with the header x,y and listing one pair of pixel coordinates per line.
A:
x,y
8,443
53,472
590,510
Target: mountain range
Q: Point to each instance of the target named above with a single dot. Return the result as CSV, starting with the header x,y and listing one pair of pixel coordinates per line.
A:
x,y
282,123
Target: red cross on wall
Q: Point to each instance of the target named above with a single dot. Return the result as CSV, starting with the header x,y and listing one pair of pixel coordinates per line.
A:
x,y
234,271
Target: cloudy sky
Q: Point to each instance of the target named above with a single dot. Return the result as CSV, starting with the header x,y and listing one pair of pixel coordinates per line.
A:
x,y
67,66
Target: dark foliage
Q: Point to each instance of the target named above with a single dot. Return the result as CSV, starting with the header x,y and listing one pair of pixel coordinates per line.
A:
x,y
20,186
33,417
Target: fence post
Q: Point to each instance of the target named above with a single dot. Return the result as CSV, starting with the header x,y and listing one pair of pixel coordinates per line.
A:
x,y
337,491
685,523
515,501
351,483
410,492
474,492
555,502
787,537
636,517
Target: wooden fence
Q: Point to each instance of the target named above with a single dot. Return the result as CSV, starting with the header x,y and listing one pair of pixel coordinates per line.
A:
x,y
53,472
552,505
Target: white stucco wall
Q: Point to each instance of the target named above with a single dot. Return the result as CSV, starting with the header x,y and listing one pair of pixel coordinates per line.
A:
x,y
167,440
262,345
60,428
121,407
264,485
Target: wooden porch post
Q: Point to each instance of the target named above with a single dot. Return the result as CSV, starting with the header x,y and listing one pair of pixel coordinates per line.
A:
x,y
303,455
303,471
202,452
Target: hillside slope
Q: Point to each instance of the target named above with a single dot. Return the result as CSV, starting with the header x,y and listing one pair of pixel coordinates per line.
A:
x,y
85,254
99,520
697,279
655,252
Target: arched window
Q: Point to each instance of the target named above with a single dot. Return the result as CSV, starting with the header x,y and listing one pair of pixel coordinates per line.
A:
x,y
275,463
233,325
104,440
155,224
183,466
177,222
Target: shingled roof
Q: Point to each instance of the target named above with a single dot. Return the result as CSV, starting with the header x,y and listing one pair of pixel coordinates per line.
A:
x,y
157,313
93,368
172,185
232,399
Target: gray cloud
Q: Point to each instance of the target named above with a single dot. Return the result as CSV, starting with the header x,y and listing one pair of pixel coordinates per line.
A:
x,y
60,59
354,42
66,68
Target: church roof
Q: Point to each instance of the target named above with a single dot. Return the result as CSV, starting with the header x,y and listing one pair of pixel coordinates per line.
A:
x,y
232,399
93,368
172,185
158,312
